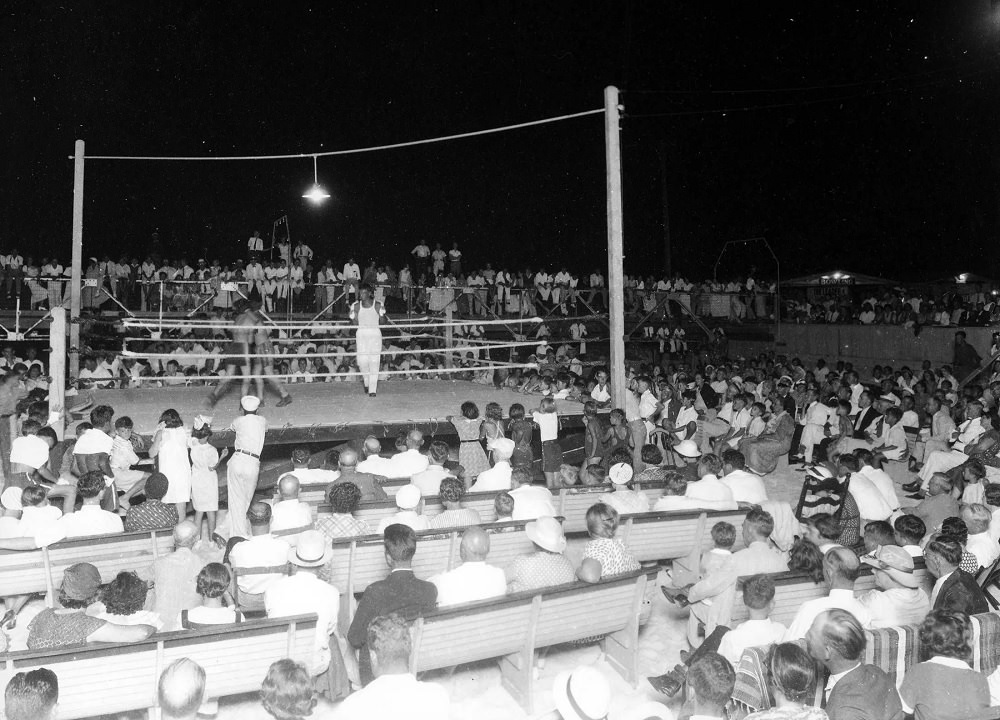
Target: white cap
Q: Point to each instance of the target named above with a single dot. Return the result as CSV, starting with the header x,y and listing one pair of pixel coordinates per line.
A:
x,y
11,498
29,450
687,448
620,473
408,497
250,403
502,446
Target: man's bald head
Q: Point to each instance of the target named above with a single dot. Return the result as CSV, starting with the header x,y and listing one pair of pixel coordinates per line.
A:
x,y
475,545
288,487
181,689
414,440
348,459
840,567
185,534
372,445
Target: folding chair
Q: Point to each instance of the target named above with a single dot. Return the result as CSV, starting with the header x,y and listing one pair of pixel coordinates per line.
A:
x,y
990,578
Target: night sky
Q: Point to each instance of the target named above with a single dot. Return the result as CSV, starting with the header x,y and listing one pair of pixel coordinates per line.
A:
x,y
859,135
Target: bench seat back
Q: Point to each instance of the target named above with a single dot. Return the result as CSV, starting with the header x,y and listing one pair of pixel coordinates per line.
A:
x,y
31,571
97,680
791,589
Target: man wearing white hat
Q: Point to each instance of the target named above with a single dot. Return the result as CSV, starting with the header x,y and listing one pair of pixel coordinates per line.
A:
x,y
498,476
244,466
304,593
547,565
898,598
689,454
410,504
583,694
623,498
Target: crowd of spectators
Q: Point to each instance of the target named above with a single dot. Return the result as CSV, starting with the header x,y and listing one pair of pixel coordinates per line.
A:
x,y
687,438
900,307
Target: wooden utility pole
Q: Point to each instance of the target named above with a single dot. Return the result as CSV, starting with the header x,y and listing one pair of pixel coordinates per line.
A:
x,y
74,302
616,284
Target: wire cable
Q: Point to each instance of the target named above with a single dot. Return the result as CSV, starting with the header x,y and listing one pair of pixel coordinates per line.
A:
x,y
353,151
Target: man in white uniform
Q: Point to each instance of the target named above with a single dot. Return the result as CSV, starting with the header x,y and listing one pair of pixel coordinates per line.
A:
x,y
367,314
244,466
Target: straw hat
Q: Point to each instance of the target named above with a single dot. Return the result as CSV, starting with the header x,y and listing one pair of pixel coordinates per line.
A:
x,y
547,533
311,550
620,473
583,694
895,562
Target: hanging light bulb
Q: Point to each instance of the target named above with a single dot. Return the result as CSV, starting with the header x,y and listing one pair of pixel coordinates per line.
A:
x,y
316,194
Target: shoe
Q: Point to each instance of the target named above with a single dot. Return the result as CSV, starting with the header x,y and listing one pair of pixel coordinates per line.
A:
x,y
287,400
670,683
911,487
371,394
685,654
916,496
796,459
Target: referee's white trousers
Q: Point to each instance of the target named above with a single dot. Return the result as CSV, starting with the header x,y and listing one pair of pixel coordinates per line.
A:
x,y
369,356
241,477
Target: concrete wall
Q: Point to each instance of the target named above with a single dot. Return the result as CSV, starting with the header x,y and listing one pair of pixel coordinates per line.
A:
x,y
866,345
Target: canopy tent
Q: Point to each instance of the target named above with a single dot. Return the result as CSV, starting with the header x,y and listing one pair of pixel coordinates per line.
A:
x,y
836,277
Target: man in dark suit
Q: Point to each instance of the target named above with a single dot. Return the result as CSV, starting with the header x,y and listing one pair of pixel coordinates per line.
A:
x,y
854,691
955,589
866,415
401,593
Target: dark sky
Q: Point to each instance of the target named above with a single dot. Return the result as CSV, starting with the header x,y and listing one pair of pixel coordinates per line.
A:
x,y
856,135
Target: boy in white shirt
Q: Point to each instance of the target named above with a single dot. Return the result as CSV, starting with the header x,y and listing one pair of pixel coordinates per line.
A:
x,y
759,629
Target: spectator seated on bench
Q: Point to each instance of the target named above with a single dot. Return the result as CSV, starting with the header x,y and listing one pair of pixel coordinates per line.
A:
x,y
70,625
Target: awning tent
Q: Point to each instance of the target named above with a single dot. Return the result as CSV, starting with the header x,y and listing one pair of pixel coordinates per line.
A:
x,y
836,277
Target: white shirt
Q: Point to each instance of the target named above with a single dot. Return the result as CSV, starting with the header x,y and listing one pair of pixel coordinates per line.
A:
x,y
496,478
408,463
288,514
90,520
404,517
304,593
984,547
711,488
745,487
397,696
872,504
316,476
883,483
548,425
896,606
429,480
259,551
532,502
250,431
751,633
838,598
352,271
469,582
92,442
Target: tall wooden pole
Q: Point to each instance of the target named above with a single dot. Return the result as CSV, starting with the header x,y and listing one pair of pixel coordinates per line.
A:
x,y
57,367
74,302
616,284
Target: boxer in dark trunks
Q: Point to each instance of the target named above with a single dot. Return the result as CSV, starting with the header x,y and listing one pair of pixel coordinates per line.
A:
x,y
239,351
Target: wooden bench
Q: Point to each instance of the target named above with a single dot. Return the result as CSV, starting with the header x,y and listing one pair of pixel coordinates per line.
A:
x,y
101,679
359,562
373,513
791,589
30,571
671,535
513,627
